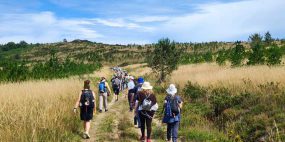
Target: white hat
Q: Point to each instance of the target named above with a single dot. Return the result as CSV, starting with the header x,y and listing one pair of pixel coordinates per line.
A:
x,y
171,89
131,77
146,86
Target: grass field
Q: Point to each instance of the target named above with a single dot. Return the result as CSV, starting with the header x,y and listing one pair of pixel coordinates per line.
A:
x,y
212,74
42,110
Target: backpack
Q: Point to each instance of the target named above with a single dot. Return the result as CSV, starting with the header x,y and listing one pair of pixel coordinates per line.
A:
x,y
87,99
116,83
167,113
146,104
102,87
173,102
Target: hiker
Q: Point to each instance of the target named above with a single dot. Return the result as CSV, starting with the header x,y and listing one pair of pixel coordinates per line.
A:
x,y
131,86
86,102
147,106
136,90
172,112
103,93
116,87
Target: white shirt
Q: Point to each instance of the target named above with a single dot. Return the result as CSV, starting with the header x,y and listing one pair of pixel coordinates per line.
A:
x,y
131,85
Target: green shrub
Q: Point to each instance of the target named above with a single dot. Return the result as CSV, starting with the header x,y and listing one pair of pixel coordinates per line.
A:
x,y
193,91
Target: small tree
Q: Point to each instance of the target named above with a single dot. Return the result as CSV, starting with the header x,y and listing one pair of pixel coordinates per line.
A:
x,y
255,40
164,59
208,57
222,57
268,39
237,54
274,55
257,54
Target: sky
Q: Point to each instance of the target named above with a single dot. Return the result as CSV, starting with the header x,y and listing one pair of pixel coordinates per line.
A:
x,y
139,21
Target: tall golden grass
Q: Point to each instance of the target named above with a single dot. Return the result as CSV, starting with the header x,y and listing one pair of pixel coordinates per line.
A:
x,y
41,110
212,74
38,110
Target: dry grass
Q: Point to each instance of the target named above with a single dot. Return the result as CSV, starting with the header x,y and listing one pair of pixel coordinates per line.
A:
x,y
138,69
38,110
41,110
212,74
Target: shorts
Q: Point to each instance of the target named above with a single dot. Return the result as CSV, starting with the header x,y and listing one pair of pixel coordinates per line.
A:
x,y
116,91
86,114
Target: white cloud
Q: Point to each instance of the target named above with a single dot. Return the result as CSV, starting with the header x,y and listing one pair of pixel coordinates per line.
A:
x,y
44,27
146,19
227,21
121,23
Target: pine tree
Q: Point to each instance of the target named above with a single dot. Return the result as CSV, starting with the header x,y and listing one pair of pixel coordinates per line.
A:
x,y
164,59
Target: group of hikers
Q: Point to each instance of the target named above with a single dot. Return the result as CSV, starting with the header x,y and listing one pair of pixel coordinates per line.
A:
x,y
141,100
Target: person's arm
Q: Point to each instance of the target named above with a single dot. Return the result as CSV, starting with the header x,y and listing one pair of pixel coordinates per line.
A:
x,y
180,102
107,85
180,105
94,102
77,102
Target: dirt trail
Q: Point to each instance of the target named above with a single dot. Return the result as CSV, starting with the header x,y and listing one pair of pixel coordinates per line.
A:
x,y
99,118
117,123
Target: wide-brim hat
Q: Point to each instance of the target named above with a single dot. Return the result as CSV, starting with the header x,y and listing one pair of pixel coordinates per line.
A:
x,y
146,86
171,89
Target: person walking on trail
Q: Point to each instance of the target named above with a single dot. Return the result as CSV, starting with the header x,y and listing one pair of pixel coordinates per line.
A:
x,y
136,90
131,86
147,105
86,102
116,87
103,94
172,112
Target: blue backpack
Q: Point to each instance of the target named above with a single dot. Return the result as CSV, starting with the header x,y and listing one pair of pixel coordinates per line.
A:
x,y
167,112
102,87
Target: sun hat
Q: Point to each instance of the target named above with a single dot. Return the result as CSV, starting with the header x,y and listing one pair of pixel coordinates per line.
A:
x,y
132,78
171,89
146,86
140,80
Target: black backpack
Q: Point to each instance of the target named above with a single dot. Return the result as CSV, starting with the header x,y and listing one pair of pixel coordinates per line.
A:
x,y
87,99
174,104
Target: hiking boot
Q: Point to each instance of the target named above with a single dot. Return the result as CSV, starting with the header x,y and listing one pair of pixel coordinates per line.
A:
x,y
87,136
106,110
148,140
100,111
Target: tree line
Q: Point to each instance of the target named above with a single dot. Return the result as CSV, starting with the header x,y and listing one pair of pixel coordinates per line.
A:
x,y
167,54
15,71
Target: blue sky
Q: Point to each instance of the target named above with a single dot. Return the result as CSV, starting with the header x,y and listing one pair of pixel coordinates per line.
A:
x,y
139,21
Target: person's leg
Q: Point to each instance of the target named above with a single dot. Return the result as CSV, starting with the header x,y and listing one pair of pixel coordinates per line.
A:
x,y
168,136
142,124
117,94
148,127
174,132
100,101
87,126
84,126
130,100
105,101
139,121
135,120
